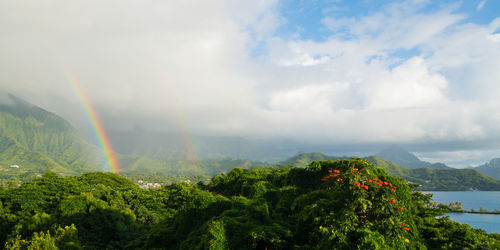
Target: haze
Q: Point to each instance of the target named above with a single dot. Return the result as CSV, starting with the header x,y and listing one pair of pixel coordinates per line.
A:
x,y
423,74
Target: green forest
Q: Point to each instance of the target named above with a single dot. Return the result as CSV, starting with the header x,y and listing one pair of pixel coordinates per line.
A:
x,y
343,204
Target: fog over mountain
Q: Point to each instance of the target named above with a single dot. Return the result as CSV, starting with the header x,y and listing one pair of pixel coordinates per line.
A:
x,y
355,77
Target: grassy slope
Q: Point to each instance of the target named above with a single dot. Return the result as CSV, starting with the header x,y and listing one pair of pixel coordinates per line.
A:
x,y
34,139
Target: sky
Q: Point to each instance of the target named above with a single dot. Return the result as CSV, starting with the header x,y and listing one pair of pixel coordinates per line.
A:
x,y
418,73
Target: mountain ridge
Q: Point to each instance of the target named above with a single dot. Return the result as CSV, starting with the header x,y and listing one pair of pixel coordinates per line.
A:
x,y
35,138
491,168
404,158
429,179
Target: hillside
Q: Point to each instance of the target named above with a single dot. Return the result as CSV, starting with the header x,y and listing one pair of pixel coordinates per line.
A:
x,y
491,168
391,168
451,180
404,158
34,139
428,178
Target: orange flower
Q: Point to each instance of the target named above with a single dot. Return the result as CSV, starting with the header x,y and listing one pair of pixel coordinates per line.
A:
x,y
402,224
339,179
356,184
401,208
385,183
406,228
369,181
365,187
329,170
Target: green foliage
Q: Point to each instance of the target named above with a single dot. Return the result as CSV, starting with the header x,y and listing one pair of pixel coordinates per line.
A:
x,y
339,204
65,238
33,139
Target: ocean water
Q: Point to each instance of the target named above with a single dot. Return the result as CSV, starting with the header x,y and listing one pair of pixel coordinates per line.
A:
x,y
489,222
473,200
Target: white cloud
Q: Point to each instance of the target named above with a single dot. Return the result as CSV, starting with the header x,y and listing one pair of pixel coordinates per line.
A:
x,y
153,63
460,158
480,5
409,85
134,58
494,38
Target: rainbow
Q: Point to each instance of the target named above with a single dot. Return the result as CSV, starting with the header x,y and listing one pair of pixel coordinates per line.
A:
x,y
96,124
180,123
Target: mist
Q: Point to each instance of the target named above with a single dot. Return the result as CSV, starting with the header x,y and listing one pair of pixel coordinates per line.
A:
x,y
398,75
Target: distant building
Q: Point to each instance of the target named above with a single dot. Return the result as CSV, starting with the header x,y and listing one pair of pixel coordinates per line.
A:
x,y
150,185
14,166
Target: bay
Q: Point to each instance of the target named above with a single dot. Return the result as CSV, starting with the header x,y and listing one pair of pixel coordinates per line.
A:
x,y
489,222
470,200
473,200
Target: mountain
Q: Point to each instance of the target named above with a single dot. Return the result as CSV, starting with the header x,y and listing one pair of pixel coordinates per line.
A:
x,y
391,167
407,159
428,178
159,145
491,168
33,139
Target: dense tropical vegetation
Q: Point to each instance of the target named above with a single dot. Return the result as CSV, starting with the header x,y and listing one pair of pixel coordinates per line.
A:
x,y
329,204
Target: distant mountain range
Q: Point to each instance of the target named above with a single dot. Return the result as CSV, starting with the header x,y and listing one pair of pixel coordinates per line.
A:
x,y
32,139
407,159
491,168
428,178
404,158
168,145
